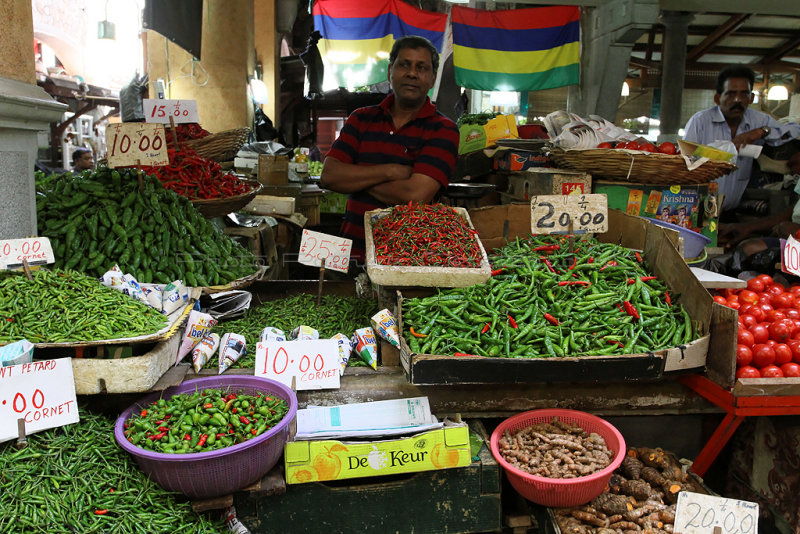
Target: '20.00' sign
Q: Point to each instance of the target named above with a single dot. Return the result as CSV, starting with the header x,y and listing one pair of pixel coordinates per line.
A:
x,y
557,214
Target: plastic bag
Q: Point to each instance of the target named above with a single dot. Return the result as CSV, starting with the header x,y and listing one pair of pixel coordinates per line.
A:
x,y
131,106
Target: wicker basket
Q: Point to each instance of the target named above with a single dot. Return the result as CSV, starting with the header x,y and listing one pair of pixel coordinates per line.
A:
x,y
638,167
217,207
221,146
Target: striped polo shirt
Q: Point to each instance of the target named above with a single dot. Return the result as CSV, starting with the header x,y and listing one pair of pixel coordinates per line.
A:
x,y
428,143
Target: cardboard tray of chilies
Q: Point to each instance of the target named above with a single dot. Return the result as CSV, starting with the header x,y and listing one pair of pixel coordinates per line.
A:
x,y
716,323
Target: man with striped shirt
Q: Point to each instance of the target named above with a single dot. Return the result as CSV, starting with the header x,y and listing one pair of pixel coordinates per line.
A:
x,y
402,150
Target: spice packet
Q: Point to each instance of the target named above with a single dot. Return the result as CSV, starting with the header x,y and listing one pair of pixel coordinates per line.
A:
x,y
366,346
304,332
153,295
271,333
384,324
198,325
16,353
173,297
345,349
204,350
231,348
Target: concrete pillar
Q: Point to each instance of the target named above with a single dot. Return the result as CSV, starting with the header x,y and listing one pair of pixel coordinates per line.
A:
x,y
673,71
218,82
25,109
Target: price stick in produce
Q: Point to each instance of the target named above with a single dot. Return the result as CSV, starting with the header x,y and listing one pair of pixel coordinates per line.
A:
x,y
554,214
696,513
40,394
136,143
300,364
16,253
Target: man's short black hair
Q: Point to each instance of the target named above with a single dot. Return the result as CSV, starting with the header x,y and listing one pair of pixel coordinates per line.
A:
x,y
78,152
415,41
735,71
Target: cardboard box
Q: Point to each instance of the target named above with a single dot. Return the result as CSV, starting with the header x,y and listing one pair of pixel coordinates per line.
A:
x,y
537,181
391,275
273,170
313,461
690,206
520,160
474,137
497,224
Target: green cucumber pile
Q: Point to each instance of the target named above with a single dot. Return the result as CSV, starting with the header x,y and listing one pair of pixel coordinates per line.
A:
x,y
203,421
67,306
100,218
543,301
76,479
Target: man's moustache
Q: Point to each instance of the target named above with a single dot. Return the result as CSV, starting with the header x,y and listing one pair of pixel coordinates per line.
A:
x,y
737,106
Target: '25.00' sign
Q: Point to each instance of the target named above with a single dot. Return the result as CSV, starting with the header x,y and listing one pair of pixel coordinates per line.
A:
x,y
136,143
555,214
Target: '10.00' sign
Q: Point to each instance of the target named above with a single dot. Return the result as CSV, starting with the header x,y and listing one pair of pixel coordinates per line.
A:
x,y
136,143
553,214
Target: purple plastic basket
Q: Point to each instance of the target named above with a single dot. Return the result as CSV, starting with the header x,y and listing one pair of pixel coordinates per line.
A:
x,y
204,475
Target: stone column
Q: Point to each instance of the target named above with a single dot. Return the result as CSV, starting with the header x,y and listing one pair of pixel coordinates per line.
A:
x,y
673,71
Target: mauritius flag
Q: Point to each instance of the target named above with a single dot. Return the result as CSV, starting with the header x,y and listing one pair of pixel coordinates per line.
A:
x,y
517,49
357,36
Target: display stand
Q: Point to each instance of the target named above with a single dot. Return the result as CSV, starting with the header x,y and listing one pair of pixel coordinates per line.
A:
x,y
738,404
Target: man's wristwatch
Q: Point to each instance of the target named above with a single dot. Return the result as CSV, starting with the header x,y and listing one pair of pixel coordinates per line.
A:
x,y
766,130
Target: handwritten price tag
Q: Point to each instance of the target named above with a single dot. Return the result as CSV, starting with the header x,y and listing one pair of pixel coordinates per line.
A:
x,y
42,393
314,363
37,250
700,514
790,255
551,214
132,143
159,110
314,246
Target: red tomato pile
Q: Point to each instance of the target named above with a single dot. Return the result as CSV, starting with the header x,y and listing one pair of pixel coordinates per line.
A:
x,y
664,148
768,339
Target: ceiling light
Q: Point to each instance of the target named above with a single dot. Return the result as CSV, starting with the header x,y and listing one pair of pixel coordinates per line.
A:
x,y
105,28
778,92
626,89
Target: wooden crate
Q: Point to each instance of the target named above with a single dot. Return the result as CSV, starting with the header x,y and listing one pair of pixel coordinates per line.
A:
x,y
308,206
459,500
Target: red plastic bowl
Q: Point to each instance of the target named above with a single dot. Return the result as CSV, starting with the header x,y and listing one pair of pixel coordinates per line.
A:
x,y
560,492
203,475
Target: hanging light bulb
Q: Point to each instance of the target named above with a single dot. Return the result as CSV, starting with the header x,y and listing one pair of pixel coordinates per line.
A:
x,y
626,89
778,92
105,28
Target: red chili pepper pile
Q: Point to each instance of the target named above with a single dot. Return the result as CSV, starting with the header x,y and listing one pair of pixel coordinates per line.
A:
x,y
188,131
195,178
423,234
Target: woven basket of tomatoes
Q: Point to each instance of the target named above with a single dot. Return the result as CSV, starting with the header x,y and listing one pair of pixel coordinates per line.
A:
x,y
636,165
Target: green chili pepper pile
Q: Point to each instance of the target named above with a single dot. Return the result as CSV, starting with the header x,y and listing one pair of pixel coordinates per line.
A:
x,y
76,479
97,219
204,421
63,306
334,315
424,234
543,302
475,118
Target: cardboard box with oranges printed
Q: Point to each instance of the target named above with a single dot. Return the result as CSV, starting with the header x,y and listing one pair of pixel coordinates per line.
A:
x,y
313,461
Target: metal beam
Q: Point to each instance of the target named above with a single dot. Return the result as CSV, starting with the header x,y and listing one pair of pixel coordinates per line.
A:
x,y
763,7
782,51
728,51
727,28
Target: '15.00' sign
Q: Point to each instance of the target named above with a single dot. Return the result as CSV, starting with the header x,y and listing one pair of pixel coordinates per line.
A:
x,y
136,143
553,214
180,111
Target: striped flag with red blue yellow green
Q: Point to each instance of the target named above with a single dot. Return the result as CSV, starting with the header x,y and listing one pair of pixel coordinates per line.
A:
x,y
526,49
357,36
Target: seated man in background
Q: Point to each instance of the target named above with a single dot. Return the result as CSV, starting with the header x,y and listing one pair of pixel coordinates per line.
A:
x,y
399,151
82,159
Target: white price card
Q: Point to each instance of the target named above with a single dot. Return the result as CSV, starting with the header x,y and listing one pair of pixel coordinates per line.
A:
x,y
790,255
136,143
552,214
37,250
313,362
314,246
696,513
41,392
180,111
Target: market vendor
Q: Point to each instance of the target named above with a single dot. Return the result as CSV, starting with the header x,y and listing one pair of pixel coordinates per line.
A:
x,y
82,159
398,151
731,120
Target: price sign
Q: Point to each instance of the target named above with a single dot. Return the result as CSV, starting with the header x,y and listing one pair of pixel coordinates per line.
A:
x,y
132,143
314,246
314,363
42,393
37,250
700,514
790,255
552,214
159,110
